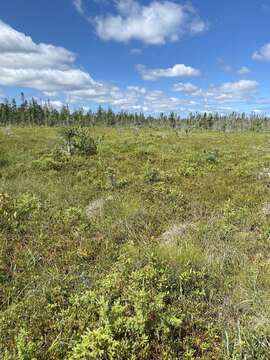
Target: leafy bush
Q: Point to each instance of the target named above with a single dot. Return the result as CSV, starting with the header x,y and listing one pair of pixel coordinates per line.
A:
x,y
189,170
14,212
113,182
152,175
78,140
56,160
212,157
160,191
69,218
24,349
25,205
142,310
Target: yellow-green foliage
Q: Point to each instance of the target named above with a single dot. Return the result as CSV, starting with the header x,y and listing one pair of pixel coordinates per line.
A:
x,y
145,308
154,247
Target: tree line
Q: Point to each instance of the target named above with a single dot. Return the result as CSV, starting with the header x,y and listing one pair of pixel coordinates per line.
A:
x,y
34,113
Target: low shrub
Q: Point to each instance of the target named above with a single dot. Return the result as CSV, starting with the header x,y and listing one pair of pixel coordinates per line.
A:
x,y
113,181
56,160
78,140
14,212
152,175
142,310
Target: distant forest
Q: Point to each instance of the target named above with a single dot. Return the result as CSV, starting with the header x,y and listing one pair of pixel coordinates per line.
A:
x,y
33,113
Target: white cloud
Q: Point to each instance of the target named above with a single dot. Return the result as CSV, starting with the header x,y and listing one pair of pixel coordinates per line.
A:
x,y
242,86
56,103
258,111
49,80
187,88
227,92
156,23
49,69
178,70
47,58
263,54
243,70
79,6
53,71
43,67
215,108
14,44
135,98
230,69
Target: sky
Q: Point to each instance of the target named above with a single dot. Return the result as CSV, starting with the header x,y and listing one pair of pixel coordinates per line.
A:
x,y
138,55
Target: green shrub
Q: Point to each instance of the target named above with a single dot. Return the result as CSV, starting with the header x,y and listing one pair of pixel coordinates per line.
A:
x,y
143,310
78,140
113,182
188,170
25,205
25,349
152,175
15,212
56,160
212,157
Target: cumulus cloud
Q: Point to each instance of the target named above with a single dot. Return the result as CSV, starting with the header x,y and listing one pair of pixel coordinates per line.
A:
x,y
14,43
227,92
263,54
242,86
43,67
187,88
49,80
156,23
53,71
178,70
135,98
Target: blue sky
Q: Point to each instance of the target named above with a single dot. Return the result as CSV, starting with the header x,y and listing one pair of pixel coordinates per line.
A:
x,y
138,55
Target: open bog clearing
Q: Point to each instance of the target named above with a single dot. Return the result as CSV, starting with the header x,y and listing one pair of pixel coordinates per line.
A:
x,y
153,245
